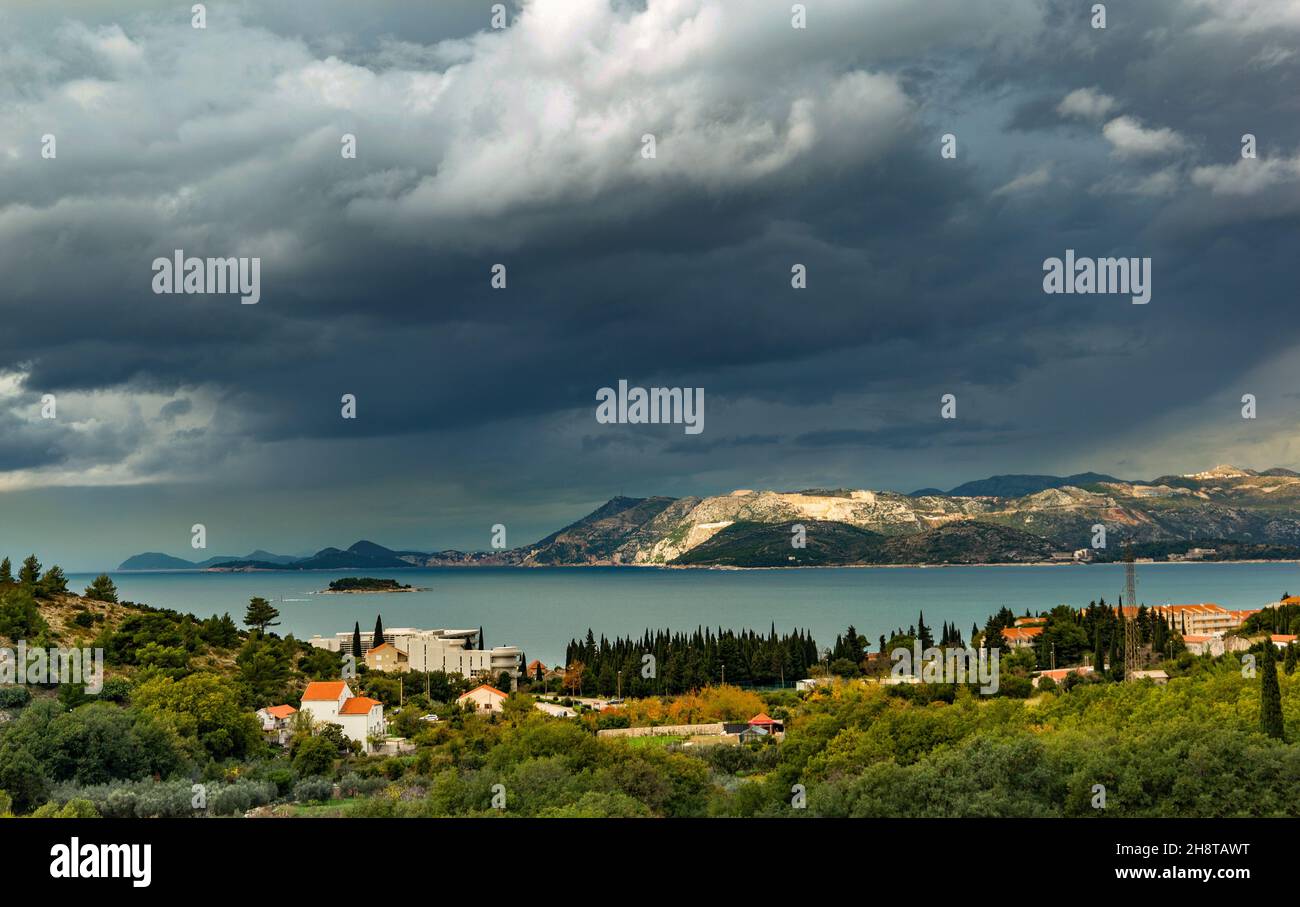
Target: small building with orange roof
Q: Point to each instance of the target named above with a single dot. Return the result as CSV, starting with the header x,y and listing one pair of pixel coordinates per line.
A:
x,y
1020,637
275,721
387,657
483,698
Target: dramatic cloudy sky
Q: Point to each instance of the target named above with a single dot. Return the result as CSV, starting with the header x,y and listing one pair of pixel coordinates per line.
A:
x,y
521,146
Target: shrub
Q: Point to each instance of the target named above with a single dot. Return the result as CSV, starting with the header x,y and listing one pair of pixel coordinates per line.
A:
x,y
14,697
312,789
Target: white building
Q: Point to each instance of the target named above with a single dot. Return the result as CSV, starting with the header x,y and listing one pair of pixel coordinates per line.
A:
x,y
483,697
275,721
332,702
449,651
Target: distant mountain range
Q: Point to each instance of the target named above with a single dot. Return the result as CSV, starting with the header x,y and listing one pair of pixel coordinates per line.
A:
x,y
1002,519
1014,486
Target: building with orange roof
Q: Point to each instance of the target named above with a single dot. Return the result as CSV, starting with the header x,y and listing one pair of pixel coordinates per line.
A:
x,y
1282,640
1203,619
387,657
1058,675
483,698
1020,637
1201,644
275,721
332,702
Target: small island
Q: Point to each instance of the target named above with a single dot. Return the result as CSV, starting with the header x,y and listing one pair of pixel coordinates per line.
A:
x,y
366,584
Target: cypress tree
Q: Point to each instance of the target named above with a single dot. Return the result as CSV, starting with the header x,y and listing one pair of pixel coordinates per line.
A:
x,y
1270,695
6,571
356,639
1291,657
1098,655
378,639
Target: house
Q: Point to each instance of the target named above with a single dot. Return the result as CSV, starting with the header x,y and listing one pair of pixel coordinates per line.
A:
x,y
275,721
1282,640
1058,675
484,698
1199,644
1020,637
770,725
332,702
534,667
387,657
1159,677
1031,621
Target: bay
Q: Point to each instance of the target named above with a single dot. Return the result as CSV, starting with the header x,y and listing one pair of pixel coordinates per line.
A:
x,y
540,610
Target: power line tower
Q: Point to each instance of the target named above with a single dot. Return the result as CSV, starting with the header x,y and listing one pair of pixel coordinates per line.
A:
x,y
1131,640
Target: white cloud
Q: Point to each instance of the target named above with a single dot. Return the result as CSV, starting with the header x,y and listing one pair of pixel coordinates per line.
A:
x,y
1085,104
1129,138
1248,17
1247,177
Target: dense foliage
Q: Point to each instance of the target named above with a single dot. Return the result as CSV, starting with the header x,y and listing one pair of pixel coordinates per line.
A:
x,y
683,662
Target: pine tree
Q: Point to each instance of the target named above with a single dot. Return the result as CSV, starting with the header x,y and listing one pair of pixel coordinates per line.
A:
x,y
102,589
378,639
1270,695
6,571
52,583
30,573
356,639
261,614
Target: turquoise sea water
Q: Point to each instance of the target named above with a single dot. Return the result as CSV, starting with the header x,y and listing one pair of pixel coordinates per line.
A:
x,y
541,609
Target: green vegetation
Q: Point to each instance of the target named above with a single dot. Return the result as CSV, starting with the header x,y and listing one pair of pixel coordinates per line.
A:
x,y
365,584
685,662
173,730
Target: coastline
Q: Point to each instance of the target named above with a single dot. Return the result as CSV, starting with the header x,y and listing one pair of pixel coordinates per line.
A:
x,y
929,566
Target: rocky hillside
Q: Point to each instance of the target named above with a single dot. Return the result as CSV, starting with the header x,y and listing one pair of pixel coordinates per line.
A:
x,y
848,526
753,528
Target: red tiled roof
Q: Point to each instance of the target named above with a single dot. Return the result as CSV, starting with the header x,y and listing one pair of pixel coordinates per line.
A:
x,y
319,690
280,711
482,686
1010,633
762,719
359,705
1284,637
1059,674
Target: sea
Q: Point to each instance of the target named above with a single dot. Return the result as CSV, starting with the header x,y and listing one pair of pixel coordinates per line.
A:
x,y
542,609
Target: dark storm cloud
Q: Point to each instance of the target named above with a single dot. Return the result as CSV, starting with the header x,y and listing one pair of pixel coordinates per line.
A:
x,y
522,147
